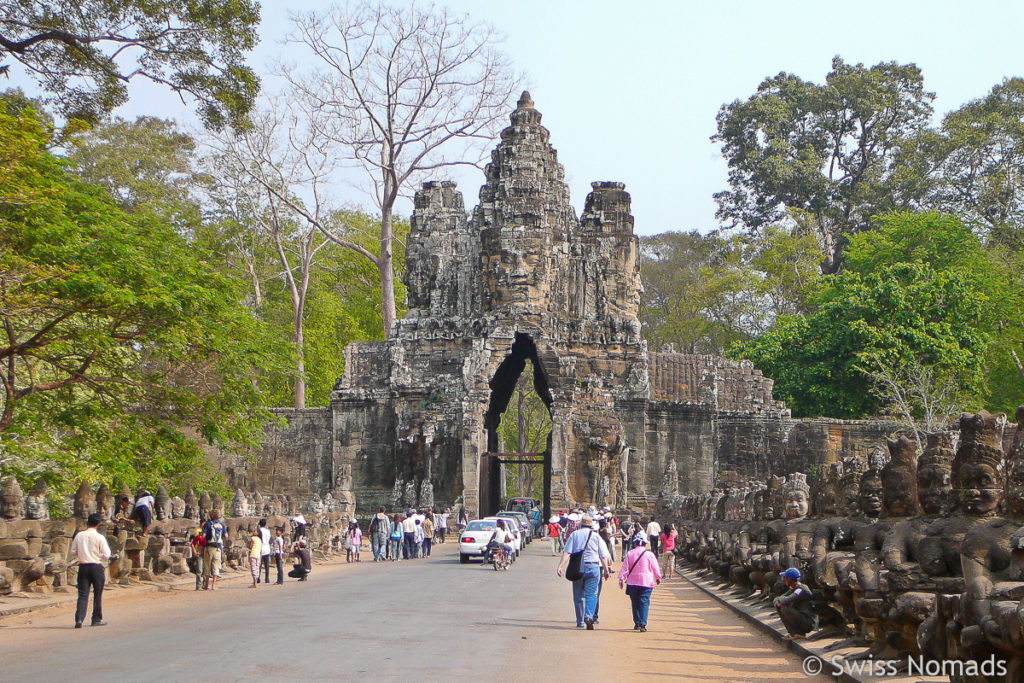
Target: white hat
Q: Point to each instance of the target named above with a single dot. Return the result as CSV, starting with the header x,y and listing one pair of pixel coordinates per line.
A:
x,y
553,520
574,517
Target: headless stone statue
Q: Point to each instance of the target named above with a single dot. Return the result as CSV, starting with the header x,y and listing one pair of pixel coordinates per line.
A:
x,y
37,502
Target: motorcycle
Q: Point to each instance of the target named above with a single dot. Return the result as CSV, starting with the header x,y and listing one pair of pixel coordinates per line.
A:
x,y
498,557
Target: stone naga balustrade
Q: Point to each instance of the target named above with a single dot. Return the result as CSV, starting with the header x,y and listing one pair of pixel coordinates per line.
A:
x,y
916,554
34,548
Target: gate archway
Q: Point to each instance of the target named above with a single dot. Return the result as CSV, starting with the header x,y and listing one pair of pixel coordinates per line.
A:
x,y
503,385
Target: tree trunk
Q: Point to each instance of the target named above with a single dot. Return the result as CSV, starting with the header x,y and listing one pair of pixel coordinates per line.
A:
x,y
300,365
386,267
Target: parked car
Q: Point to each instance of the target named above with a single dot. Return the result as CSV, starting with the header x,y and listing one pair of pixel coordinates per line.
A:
x,y
523,504
523,522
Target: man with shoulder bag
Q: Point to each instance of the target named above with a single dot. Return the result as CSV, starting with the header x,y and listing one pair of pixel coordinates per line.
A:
x,y
585,562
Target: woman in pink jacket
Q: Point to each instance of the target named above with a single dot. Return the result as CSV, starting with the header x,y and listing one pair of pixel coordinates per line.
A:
x,y
639,574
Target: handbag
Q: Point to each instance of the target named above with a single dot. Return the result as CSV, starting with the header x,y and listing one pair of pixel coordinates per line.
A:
x,y
574,571
632,567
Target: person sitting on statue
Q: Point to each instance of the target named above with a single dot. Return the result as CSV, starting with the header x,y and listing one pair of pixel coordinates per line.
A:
x,y
794,607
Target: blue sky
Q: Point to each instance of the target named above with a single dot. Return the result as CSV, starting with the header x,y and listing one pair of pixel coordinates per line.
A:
x,y
630,90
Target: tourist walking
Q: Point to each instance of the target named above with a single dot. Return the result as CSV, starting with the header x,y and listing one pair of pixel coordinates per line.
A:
x,y
428,535
409,537
278,551
653,532
92,551
593,568
442,524
639,575
605,528
395,536
216,532
198,544
265,549
418,536
794,607
668,547
255,555
555,534
463,519
353,541
379,527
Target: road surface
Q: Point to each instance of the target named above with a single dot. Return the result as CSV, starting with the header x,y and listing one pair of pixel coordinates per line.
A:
x,y
421,620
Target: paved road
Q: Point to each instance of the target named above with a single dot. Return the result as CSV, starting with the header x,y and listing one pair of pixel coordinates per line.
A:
x,y
423,620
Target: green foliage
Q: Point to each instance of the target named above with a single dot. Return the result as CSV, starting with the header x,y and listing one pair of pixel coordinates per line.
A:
x,y
85,52
825,156
121,346
904,300
525,427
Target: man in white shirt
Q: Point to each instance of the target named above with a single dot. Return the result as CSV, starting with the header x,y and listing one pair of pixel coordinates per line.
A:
x,y
653,534
594,566
409,537
265,548
93,552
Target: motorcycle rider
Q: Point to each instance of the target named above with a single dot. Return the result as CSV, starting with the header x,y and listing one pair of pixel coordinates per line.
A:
x,y
500,537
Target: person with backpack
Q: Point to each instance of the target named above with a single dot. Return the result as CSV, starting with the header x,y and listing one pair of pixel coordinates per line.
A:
x,y
395,538
216,533
379,527
639,575
585,563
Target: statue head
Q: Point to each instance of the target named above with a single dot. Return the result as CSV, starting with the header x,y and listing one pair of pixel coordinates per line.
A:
x,y
104,503
848,492
869,491
899,479
191,506
162,503
12,501
824,490
978,465
796,496
83,502
37,502
1014,466
934,480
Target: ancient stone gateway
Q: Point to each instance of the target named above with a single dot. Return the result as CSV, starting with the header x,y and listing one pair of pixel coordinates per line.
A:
x,y
524,280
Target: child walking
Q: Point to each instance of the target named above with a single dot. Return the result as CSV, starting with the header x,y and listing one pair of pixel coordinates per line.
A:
x,y
353,539
255,551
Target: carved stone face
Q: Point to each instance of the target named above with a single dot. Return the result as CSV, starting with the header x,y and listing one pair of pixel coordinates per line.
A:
x,y
848,500
796,504
12,506
897,494
981,489
869,499
935,489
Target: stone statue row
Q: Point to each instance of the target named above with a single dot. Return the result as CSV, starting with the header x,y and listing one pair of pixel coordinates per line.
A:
x,y
914,554
15,505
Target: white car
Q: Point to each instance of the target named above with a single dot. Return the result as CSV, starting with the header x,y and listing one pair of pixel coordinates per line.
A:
x,y
474,538
512,528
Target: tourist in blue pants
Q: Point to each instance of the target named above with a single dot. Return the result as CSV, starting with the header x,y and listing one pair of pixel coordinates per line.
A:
x,y
639,575
595,567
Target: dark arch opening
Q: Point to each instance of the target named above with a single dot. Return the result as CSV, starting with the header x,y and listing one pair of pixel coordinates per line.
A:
x,y
503,386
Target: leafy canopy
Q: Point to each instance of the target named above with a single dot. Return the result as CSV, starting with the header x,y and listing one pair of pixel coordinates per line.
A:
x,y
85,52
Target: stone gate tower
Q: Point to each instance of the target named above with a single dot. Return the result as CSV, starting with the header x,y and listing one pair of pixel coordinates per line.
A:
x,y
525,280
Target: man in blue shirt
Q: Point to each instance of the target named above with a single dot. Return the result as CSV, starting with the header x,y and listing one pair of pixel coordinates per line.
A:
x,y
595,568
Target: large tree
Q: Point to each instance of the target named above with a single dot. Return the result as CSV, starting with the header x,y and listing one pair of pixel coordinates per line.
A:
x,y
118,340
915,305
85,52
395,90
826,157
